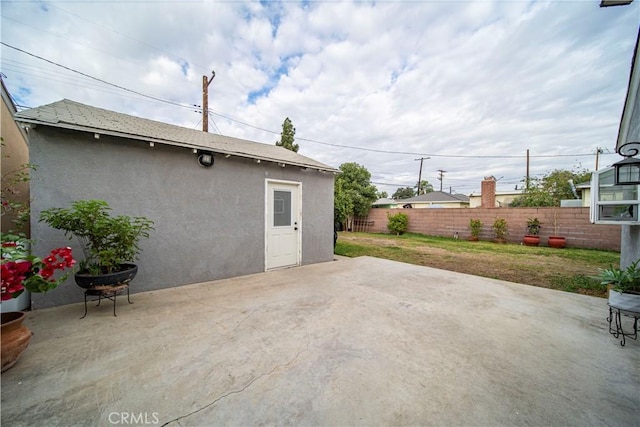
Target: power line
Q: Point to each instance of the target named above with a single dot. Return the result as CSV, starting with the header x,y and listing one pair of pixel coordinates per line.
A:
x,y
96,78
349,147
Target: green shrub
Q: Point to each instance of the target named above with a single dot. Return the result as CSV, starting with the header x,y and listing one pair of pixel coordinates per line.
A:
x,y
476,227
500,228
398,223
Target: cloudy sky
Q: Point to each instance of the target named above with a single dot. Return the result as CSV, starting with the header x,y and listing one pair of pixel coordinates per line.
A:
x,y
470,84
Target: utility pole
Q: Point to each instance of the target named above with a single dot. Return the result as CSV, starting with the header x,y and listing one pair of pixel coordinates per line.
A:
x,y
420,173
527,178
598,152
440,177
205,101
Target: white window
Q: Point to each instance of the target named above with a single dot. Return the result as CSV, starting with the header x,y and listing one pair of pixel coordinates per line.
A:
x,y
610,203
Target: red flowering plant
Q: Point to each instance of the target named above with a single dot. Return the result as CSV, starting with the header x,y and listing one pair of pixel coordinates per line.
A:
x,y
21,270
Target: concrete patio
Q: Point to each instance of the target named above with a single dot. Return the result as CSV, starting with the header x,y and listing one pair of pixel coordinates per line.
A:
x,y
353,342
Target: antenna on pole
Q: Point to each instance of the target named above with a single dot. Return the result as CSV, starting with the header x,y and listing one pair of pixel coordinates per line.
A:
x,y
205,101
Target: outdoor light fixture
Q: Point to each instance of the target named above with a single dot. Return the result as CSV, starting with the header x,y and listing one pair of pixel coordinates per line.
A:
x,y
627,171
205,158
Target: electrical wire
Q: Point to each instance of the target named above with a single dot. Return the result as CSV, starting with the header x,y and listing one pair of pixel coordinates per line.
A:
x,y
96,78
349,147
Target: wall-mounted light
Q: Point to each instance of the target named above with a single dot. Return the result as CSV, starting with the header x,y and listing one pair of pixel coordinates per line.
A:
x,y
627,171
257,160
205,158
96,135
281,165
226,156
152,144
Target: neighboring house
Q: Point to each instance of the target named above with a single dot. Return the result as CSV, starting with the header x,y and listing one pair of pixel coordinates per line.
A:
x,y
385,203
15,154
258,207
435,199
503,198
584,190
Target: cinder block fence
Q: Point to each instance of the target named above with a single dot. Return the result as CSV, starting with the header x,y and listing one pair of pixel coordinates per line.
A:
x,y
572,223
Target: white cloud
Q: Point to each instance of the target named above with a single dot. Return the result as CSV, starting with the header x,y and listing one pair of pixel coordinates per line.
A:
x,y
441,78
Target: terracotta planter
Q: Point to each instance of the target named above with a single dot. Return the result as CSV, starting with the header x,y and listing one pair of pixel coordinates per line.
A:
x,y
15,338
531,240
557,242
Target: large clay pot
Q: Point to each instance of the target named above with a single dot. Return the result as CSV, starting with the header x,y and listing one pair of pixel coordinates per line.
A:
x,y
557,242
531,240
15,338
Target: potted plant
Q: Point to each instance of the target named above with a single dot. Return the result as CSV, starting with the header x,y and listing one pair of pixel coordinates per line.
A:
x,y
623,286
556,241
532,237
110,243
501,230
21,271
476,227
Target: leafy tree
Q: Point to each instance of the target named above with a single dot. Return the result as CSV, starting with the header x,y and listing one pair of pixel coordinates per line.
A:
x,y
353,193
551,188
425,187
382,195
288,136
404,193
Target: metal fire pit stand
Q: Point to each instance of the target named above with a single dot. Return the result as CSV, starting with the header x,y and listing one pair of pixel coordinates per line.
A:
x,y
616,314
107,292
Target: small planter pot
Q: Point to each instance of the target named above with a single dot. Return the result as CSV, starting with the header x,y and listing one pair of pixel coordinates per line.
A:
x,y
624,301
557,242
531,240
15,338
124,276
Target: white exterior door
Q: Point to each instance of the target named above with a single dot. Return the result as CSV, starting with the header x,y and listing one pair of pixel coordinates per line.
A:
x,y
283,228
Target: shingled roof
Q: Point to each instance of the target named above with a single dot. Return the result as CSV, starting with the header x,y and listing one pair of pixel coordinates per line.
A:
x,y
73,115
436,197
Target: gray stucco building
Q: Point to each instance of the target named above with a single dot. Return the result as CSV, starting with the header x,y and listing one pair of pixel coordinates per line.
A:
x,y
258,207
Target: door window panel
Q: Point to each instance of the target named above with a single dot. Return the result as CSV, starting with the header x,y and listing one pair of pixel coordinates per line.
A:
x,y
281,208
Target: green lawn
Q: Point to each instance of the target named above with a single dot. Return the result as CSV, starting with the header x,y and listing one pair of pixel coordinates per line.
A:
x,y
565,269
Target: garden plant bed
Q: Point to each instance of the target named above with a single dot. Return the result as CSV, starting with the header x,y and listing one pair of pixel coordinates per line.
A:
x,y
567,269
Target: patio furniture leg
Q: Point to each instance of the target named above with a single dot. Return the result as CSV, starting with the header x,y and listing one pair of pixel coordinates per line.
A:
x,y
85,306
130,302
618,331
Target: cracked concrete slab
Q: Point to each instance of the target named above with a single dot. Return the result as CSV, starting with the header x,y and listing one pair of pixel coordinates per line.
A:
x,y
353,342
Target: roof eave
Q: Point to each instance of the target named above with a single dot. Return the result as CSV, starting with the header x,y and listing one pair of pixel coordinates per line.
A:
x,y
625,146
173,143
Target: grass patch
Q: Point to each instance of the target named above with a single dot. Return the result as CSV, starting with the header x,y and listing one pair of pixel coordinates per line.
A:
x,y
567,269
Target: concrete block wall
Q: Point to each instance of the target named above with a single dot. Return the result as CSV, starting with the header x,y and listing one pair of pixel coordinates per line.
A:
x,y
572,223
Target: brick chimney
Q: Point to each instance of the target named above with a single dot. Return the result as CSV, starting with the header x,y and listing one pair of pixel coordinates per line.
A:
x,y
488,192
